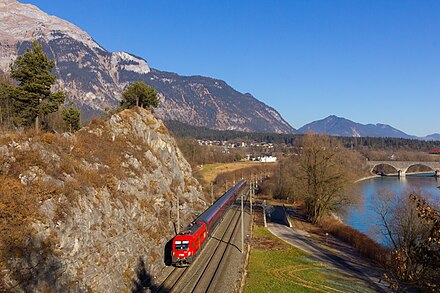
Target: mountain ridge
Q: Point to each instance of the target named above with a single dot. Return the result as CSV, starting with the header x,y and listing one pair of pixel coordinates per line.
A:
x,y
94,78
340,126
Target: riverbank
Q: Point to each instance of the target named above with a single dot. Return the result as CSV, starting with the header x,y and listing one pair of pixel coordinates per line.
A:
x,y
367,177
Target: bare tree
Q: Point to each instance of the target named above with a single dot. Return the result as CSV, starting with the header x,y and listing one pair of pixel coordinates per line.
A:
x,y
428,250
409,225
323,172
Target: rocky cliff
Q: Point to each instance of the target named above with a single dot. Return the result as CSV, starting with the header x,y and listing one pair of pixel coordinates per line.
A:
x,y
91,211
94,78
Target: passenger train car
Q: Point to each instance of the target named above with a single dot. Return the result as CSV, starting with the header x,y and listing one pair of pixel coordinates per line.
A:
x,y
189,242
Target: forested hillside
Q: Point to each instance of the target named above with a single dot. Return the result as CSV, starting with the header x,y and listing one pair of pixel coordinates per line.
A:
x,y
384,143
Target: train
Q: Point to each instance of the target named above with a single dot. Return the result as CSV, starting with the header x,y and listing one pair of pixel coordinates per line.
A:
x,y
190,241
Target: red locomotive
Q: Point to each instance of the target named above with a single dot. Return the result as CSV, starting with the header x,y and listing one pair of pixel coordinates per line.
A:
x,y
188,243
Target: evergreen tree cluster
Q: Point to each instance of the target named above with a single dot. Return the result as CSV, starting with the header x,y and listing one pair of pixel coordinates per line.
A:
x,y
27,99
71,117
181,129
6,106
32,97
139,94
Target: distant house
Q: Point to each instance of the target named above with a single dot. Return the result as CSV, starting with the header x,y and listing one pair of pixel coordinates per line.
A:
x,y
267,159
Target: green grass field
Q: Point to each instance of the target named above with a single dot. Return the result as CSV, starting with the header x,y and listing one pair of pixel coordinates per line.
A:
x,y
276,266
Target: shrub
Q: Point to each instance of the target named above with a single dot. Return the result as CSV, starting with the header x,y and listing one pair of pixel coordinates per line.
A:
x,y
361,242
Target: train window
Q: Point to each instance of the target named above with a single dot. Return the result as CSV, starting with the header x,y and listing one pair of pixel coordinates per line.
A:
x,y
182,245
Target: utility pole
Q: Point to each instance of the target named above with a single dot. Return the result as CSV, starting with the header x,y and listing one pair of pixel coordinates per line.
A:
x,y
242,226
264,213
178,215
250,197
226,185
212,193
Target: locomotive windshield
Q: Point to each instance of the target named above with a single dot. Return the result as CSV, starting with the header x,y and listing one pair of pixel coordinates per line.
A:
x,y
181,245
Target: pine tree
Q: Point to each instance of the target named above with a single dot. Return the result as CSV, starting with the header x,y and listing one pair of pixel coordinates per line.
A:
x,y
32,98
139,94
71,117
6,113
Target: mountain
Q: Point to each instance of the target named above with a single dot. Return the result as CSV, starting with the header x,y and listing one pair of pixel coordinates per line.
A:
x,y
94,78
434,136
338,126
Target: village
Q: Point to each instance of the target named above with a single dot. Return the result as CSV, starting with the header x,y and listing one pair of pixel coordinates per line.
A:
x,y
264,157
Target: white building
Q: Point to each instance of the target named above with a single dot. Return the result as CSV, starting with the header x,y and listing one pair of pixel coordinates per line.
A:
x,y
268,159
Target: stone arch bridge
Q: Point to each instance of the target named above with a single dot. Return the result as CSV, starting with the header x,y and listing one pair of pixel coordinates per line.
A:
x,y
403,166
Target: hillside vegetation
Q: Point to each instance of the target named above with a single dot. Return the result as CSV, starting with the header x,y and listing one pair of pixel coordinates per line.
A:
x,y
359,143
94,209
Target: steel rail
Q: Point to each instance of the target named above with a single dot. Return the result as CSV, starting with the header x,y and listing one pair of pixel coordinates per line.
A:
x,y
237,221
162,285
185,271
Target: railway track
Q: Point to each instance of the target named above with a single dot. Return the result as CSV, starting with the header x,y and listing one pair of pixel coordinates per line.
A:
x,y
172,280
202,273
209,274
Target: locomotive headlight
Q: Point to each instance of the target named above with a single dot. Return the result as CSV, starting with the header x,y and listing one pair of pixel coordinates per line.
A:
x,y
189,253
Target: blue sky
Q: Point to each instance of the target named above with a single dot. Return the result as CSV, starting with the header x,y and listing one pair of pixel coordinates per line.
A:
x,y
367,61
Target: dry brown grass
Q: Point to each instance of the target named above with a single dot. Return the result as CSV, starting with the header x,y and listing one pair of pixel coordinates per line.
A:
x,y
18,210
208,173
163,130
89,159
264,240
361,242
223,175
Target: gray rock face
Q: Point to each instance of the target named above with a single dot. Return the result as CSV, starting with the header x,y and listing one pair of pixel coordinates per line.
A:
x,y
94,78
114,206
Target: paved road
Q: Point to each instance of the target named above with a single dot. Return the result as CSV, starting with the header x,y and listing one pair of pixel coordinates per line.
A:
x,y
345,261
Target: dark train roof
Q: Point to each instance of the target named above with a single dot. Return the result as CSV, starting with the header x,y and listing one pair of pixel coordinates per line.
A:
x,y
190,229
209,213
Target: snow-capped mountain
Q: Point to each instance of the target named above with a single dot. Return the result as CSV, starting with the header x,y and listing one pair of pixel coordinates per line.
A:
x,y
338,126
94,78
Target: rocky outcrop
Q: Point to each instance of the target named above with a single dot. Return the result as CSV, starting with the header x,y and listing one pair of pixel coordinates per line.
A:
x,y
94,78
102,204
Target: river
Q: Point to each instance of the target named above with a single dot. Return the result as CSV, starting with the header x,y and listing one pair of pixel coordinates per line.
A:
x,y
362,217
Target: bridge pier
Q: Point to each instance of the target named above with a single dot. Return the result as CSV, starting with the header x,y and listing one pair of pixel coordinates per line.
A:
x,y
401,173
